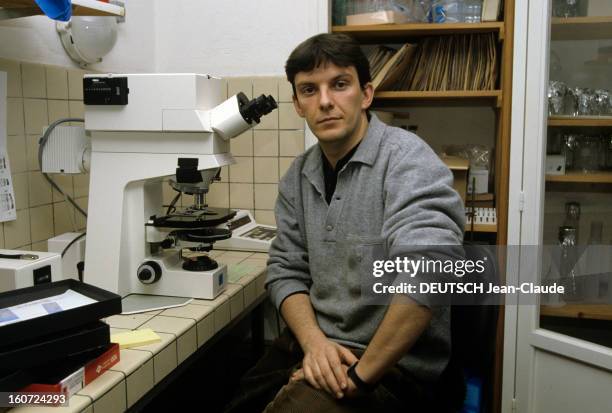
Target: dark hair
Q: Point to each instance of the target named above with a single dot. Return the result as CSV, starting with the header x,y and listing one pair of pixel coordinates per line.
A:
x,y
339,49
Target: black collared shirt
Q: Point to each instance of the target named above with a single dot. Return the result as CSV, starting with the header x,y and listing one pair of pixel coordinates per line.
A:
x,y
330,175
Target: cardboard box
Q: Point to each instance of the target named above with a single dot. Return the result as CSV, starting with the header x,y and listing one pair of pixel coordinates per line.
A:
x,y
82,376
555,165
377,17
459,167
105,361
599,8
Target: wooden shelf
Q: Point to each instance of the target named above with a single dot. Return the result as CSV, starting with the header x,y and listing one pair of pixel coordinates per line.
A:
x,y
581,28
481,228
590,311
594,121
23,8
465,96
400,32
591,178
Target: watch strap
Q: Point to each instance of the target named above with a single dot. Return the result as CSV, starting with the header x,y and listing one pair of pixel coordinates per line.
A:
x,y
361,385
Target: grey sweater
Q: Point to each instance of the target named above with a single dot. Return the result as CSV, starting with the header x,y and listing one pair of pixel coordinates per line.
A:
x,y
393,193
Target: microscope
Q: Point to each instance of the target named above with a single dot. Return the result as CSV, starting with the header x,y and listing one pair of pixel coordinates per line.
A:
x,y
146,128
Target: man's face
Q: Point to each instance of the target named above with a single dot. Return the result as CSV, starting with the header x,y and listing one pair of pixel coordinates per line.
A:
x,y
332,101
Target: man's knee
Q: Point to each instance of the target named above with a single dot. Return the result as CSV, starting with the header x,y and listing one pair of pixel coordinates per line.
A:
x,y
297,397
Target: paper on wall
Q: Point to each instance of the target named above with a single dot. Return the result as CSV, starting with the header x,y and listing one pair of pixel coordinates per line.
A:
x,y
8,211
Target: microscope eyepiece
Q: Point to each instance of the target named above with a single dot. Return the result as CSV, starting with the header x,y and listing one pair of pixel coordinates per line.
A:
x,y
253,110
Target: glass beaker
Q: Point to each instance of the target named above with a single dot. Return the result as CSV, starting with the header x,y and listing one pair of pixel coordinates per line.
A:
x,y
588,154
556,97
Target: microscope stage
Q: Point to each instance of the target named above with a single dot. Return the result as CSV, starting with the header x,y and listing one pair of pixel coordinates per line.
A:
x,y
194,218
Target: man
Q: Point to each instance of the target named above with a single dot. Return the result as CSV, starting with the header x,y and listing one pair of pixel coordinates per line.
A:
x,y
364,188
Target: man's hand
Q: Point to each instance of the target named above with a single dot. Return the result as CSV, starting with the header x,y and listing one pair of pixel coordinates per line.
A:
x,y
351,389
325,364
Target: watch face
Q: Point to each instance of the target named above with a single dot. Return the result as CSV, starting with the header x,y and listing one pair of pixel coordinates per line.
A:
x,y
261,233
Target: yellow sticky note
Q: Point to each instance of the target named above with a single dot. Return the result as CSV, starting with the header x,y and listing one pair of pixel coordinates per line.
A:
x,y
135,338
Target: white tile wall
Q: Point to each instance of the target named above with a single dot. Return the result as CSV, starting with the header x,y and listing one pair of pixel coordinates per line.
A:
x,y
37,95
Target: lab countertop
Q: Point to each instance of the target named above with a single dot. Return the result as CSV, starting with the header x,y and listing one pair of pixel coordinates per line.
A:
x,y
183,330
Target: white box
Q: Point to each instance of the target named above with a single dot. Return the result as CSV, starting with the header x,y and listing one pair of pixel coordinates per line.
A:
x,y
74,255
43,267
481,177
555,165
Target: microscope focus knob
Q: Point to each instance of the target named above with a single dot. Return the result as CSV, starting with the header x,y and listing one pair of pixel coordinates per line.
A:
x,y
149,272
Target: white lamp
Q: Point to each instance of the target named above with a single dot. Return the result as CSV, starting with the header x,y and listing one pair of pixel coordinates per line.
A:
x,y
87,39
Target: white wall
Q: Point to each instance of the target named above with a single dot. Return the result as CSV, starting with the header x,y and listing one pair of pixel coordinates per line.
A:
x,y
234,38
34,39
221,37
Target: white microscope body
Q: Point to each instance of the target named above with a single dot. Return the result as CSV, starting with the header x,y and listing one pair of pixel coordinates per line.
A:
x,y
142,126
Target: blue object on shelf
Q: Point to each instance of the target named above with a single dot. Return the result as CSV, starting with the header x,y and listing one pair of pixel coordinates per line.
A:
x,y
56,9
473,395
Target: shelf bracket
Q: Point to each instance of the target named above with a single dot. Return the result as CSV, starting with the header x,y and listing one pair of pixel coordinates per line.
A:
x,y
502,33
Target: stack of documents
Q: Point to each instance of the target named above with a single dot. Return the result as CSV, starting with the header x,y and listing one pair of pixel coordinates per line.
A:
x,y
454,62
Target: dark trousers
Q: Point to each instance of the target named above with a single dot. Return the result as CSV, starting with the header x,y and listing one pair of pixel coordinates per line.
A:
x,y
266,387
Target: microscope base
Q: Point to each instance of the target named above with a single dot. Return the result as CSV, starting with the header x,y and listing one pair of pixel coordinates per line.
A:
x,y
175,281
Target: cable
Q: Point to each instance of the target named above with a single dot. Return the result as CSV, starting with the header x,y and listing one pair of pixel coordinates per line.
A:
x,y
171,207
41,145
72,242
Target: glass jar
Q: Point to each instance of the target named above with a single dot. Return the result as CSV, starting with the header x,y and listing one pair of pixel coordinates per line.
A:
x,y
602,102
565,8
587,156
586,102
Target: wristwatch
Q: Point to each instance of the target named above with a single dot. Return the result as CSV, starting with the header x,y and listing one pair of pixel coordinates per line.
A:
x,y
361,385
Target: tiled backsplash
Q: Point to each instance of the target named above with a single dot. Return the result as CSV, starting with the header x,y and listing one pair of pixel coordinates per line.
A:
x,y
262,154
39,95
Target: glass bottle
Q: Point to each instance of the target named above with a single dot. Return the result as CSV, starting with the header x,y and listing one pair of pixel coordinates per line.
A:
x,y
567,264
572,218
339,12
